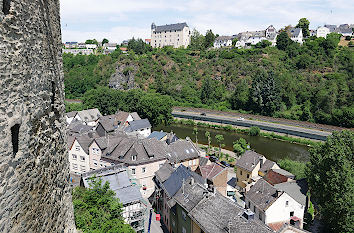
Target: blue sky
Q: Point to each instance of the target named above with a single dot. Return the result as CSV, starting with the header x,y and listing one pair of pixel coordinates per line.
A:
x,y
119,20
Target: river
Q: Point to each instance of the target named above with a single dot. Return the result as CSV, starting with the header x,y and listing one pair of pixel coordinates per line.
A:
x,y
270,148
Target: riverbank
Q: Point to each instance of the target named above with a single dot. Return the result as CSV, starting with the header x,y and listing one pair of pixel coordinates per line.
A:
x,y
244,130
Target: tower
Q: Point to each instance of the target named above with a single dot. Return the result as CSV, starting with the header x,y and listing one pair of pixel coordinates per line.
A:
x,y
35,194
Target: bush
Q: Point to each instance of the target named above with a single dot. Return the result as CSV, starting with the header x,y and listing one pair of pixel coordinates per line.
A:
x,y
254,131
295,167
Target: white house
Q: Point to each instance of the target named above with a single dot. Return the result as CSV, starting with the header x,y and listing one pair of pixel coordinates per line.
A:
x,y
222,41
141,128
91,46
253,40
69,117
322,32
176,35
296,35
78,51
273,206
79,158
88,117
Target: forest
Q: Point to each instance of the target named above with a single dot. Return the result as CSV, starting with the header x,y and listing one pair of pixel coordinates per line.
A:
x,y
310,82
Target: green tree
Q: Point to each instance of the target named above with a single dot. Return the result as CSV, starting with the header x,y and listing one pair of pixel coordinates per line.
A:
x,y
93,41
295,167
209,39
138,46
263,44
241,95
283,40
330,175
304,25
197,41
207,135
219,139
104,41
96,209
234,41
254,131
240,146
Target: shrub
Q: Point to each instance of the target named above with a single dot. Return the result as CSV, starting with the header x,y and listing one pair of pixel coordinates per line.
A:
x,y
254,131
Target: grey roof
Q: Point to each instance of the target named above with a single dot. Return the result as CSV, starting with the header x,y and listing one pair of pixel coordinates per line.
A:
x,y
137,125
262,194
182,150
190,194
89,114
267,165
223,38
332,28
249,160
135,116
171,27
108,122
295,189
295,32
71,114
284,173
345,30
164,172
84,141
119,182
174,182
216,213
157,134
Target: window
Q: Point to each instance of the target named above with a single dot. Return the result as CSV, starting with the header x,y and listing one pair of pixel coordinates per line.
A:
x,y
260,216
82,158
194,162
133,157
77,148
183,215
190,163
74,157
291,213
95,162
184,230
133,171
173,223
240,172
248,176
82,168
74,166
286,203
143,170
254,209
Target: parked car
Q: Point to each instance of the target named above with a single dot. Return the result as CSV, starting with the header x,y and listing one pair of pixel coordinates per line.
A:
x,y
203,114
226,164
213,158
240,119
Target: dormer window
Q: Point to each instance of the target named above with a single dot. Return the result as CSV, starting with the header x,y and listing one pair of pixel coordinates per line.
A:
x,y
133,157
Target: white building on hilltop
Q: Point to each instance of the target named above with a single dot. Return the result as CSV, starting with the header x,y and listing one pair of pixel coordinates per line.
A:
x,y
176,35
322,32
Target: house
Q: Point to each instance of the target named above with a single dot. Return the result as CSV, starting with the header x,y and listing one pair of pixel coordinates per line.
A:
x,y
296,35
79,159
70,116
79,51
218,214
322,32
184,152
91,46
277,176
313,32
223,41
125,117
106,125
345,31
89,117
332,28
270,32
248,167
123,49
143,157
148,41
109,47
81,45
134,210
71,45
168,181
273,206
216,175
159,135
176,35
77,128
139,128
253,40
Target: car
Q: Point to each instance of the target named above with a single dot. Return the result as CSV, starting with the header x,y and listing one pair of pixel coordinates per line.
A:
x,y
226,164
213,158
203,114
240,119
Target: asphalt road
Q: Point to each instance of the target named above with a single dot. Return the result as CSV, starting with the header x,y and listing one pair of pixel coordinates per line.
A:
x,y
268,126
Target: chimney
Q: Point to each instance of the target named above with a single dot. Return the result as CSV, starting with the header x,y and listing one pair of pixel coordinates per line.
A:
x,y
261,162
192,181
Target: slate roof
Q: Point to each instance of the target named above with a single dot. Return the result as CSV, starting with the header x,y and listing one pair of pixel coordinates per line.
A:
x,y
89,114
216,213
135,116
81,129
295,32
190,195
223,38
84,142
164,172
211,171
332,28
171,27
122,116
182,150
71,114
345,30
249,160
262,194
295,189
157,134
108,123
267,165
119,182
174,182
138,125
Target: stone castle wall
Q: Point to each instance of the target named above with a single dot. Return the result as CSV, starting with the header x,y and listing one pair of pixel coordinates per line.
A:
x,y
35,195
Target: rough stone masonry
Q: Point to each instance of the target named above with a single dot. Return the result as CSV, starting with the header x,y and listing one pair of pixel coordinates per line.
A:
x,y
35,194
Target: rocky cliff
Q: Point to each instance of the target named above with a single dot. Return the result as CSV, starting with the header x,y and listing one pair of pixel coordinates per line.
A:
x,y
35,194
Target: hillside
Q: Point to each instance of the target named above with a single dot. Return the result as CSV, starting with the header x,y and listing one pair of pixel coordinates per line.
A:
x,y
313,82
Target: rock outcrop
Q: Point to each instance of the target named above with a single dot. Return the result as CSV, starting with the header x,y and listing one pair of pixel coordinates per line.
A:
x,y
123,78
35,195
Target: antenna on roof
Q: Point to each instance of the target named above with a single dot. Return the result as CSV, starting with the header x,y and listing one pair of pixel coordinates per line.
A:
x,y
183,186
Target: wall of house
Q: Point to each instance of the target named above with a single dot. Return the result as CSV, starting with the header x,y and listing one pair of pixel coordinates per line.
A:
x,y
82,162
173,38
145,178
193,163
35,195
280,212
95,154
184,222
195,228
220,182
241,175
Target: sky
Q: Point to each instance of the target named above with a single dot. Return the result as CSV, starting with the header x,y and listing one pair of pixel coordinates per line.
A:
x,y
119,20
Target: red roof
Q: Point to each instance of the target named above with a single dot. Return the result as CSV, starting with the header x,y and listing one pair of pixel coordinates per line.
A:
x,y
276,226
275,178
211,170
123,48
295,218
148,40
